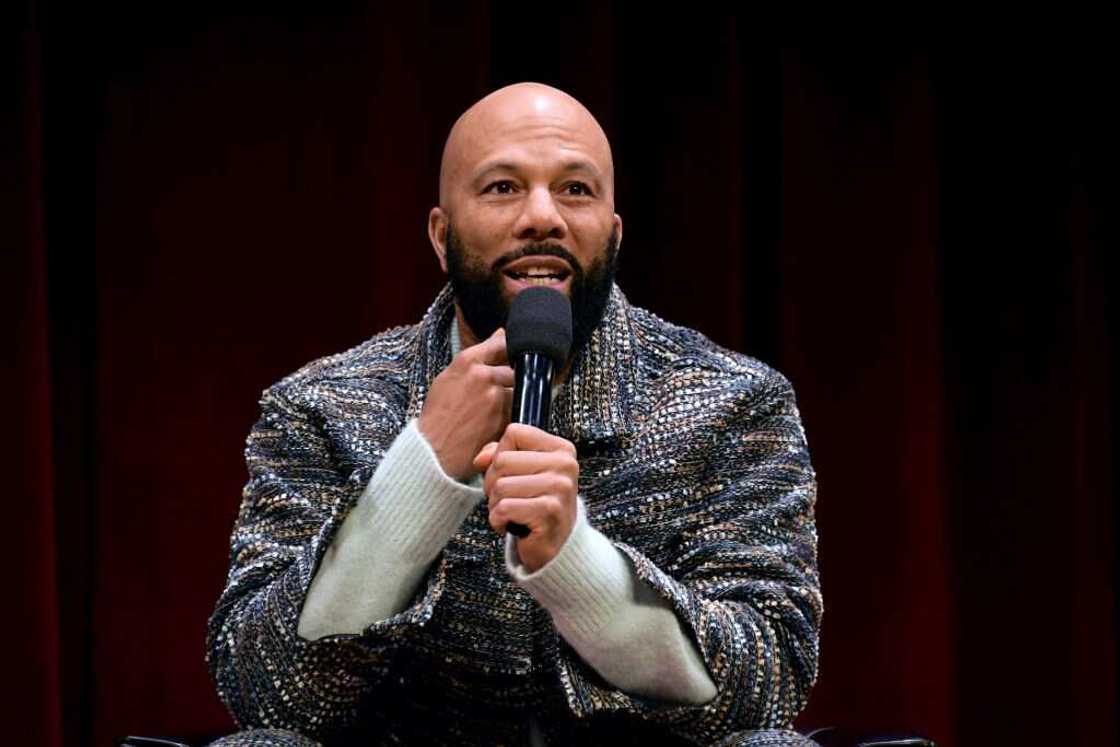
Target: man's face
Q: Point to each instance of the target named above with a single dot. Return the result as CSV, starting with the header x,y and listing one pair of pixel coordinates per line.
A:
x,y
528,178
482,297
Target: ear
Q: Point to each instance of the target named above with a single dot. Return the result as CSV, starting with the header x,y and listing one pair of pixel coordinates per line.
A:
x,y
618,228
437,234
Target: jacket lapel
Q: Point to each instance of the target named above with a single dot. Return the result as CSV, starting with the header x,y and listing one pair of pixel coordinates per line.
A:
x,y
595,402
431,352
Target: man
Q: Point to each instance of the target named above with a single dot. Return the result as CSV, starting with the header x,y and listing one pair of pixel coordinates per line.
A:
x,y
667,588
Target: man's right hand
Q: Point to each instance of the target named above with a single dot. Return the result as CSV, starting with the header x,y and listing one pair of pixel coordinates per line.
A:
x,y
468,405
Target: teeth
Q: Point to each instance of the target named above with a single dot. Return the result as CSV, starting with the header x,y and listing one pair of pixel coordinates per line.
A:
x,y
537,271
538,275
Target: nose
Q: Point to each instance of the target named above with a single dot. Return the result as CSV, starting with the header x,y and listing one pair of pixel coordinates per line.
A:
x,y
539,217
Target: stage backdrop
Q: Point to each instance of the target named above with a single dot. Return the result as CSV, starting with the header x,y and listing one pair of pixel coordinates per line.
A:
x,y
201,202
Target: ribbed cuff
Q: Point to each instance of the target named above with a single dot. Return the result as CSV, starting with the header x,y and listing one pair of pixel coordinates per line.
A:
x,y
615,622
584,586
402,521
416,505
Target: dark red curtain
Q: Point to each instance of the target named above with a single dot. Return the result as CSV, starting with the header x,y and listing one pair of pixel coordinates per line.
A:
x,y
29,552
920,239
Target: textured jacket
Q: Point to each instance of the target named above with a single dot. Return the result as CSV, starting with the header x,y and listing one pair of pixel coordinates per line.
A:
x,y
692,460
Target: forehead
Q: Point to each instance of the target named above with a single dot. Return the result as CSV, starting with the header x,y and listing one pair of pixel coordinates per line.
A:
x,y
549,151
529,131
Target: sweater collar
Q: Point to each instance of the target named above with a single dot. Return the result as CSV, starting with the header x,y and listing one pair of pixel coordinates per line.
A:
x,y
595,403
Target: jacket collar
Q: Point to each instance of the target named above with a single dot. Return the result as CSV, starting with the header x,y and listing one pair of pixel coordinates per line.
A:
x,y
595,402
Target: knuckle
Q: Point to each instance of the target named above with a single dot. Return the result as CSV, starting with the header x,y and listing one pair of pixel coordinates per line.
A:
x,y
506,459
563,485
495,522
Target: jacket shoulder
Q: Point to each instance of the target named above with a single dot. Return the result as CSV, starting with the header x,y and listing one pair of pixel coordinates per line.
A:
x,y
381,363
671,353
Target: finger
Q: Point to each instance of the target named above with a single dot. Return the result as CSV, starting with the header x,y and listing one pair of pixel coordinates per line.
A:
x,y
529,462
506,442
533,473
530,486
502,375
529,438
538,514
485,456
491,351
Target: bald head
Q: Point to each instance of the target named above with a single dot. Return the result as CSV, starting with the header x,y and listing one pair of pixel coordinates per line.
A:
x,y
526,198
522,115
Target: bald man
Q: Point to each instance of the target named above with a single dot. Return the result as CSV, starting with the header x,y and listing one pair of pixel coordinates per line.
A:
x,y
667,588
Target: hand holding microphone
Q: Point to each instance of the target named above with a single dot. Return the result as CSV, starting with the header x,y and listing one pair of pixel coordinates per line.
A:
x,y
532,476
468,405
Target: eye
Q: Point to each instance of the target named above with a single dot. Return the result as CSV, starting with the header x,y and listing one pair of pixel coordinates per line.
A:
x,y
503,187
577,189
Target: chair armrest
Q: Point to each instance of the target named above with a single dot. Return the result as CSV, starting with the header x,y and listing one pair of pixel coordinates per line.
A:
x,y
832,736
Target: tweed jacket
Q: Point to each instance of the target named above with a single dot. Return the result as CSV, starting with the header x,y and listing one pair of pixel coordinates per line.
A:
x,y
693,461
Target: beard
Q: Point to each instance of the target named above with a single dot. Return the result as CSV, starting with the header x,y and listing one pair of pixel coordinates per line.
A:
x,y
478,288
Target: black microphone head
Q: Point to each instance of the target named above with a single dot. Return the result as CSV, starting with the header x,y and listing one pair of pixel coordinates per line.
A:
x,y
540,320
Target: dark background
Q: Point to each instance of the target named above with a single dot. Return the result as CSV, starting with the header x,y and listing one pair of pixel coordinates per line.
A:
x,y
922,238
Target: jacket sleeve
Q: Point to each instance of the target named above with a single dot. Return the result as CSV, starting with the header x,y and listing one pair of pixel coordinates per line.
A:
x,y
741,576
292,506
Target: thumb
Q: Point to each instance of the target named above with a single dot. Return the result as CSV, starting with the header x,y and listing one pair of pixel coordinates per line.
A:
x,y
492,350
484,457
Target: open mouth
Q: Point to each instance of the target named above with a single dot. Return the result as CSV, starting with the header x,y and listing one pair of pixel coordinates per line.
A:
x,y
538,271
538,277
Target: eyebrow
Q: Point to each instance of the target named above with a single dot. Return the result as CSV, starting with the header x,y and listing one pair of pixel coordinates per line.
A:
x,y
578,164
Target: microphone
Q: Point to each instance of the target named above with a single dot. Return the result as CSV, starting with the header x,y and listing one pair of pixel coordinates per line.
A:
x,y
538,340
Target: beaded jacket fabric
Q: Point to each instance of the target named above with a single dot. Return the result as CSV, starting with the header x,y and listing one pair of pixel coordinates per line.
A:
x,y
693,461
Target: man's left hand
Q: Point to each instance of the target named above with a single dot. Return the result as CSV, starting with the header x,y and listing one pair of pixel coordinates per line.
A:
x,y
531,478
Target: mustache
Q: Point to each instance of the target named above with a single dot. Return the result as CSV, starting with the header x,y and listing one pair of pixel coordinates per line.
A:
x,y
538,250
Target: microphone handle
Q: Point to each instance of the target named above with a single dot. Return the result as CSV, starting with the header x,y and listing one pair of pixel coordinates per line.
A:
x,y
532,402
